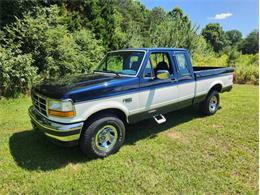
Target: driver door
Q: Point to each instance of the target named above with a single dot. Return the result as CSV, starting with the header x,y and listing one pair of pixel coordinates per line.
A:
x,y
158,95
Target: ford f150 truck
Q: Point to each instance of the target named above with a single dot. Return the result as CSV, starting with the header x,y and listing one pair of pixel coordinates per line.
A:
x,y
127,86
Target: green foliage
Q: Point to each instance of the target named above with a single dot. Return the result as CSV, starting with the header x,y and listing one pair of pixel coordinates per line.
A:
x,y
173,30
10,10
46,44
54,49
101,19
90,50
130,23
60,37
209,60
247,69
215,35
250,44
246,75
60,51
232,57
16,73
246,66
234,37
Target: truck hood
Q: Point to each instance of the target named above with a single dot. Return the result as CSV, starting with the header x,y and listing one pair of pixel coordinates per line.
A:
x,y
85,87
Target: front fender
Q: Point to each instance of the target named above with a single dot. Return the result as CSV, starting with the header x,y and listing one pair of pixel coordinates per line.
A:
x,y
85,110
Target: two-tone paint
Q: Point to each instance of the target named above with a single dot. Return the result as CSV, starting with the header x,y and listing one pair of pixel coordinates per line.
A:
x,y
137,97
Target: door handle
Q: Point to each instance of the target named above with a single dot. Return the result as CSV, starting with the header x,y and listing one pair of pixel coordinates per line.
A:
x,y
174,79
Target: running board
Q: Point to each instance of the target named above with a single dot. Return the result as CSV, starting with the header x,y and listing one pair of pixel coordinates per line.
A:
x,y
159,118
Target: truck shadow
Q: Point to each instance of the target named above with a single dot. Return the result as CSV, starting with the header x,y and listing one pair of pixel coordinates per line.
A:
x,y
32,151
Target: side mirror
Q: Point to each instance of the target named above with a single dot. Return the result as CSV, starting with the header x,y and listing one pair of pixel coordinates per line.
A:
x,y
163,74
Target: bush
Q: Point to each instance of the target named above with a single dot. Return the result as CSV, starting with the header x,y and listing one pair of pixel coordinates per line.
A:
x,y
210,59
89,49
70,53
16,73
246,69
55,49
246,66
46,44
246,75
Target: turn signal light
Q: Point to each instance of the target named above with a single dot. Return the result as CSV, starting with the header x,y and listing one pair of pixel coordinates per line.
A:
x,y
61,113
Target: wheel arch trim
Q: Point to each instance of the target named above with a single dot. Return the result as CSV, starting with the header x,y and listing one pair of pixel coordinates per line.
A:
x,y
216,84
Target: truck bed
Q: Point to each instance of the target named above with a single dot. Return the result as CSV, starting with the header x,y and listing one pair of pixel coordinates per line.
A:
x,y
205,71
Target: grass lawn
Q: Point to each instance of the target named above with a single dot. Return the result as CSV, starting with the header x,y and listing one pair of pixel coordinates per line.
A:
x,y
188,154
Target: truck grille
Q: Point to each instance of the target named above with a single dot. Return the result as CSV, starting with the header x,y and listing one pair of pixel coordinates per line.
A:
x,y
39,103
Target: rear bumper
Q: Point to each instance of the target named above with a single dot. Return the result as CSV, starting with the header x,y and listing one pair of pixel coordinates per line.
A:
x,y
64,134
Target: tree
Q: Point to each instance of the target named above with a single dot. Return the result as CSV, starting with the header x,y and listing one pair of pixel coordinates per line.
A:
x,y
234,37
174,30
130,17
54,49
10,10
232,57
215,36
177,14
250,44
154,17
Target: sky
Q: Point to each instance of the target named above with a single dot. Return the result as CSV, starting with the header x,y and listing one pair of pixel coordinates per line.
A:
x,y
242,15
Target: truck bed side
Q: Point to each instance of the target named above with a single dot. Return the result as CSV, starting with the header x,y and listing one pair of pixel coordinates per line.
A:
x,y
209,77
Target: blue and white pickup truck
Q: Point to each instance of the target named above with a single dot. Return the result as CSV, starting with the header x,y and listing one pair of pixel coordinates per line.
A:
x,y
127,86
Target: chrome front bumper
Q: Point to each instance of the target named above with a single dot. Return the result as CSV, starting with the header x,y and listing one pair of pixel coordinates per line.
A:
x,y
56,131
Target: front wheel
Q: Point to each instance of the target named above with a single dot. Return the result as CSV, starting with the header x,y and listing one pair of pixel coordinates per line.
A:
x,y
104,136
211,104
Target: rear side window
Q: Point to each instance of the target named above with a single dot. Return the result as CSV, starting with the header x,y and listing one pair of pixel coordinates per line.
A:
x,y
182,63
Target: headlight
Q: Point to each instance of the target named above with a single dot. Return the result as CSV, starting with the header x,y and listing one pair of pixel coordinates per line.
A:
x,y
61,108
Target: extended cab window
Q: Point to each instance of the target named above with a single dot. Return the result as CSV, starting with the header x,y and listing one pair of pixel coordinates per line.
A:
x,y
157,61
182,64
122,62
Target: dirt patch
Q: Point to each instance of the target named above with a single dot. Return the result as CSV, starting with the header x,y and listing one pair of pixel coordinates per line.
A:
x,y
176,135
215,126
218,143
74,167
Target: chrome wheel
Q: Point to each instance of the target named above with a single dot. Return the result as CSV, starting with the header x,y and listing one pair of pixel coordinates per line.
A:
x,y
106,138
213,104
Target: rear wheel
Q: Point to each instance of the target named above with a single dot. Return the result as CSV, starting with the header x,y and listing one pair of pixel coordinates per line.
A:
x,y
104,136
211,104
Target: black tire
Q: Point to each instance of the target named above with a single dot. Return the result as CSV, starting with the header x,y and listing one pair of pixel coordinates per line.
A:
x,y
206,107
88,139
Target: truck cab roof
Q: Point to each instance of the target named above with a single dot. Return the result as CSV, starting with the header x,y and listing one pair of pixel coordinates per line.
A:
x,y
154,49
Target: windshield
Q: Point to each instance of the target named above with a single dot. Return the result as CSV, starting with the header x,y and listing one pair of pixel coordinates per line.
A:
x,y
122,62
